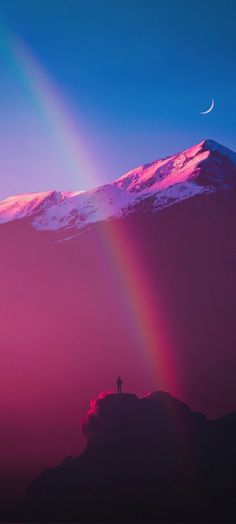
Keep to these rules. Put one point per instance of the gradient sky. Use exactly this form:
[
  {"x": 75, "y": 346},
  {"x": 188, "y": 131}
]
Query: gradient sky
[{"x": 133, "y": 75}]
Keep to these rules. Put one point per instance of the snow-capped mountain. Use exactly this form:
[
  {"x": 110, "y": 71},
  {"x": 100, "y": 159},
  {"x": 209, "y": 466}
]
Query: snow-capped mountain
[{"x": 203, "y": 168}]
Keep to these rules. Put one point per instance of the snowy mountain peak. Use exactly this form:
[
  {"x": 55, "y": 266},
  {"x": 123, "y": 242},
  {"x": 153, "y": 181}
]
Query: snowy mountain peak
[
  {"x": 26, "y": 205},
  {"x": 203, "y": 168},
  {"x": 222, "y": 151},
  {"x": 176, "y": 169}
]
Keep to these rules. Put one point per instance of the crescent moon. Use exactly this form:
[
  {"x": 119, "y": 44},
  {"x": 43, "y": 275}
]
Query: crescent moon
[{"x": 208, "y": 110}]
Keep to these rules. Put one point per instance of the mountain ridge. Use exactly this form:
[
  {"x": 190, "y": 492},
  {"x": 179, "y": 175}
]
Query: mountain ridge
[{"x": 202, "y": 168}]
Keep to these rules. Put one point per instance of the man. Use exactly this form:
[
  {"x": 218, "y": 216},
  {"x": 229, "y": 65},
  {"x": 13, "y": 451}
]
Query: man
[{"x": 119, "y": 385}]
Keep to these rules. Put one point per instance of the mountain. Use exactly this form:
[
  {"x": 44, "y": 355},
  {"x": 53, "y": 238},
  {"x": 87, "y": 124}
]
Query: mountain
[
  {"x": 148, "y": 459},
  {"x": 149, "y": 294},
  {"x": 201, "y": 169}
]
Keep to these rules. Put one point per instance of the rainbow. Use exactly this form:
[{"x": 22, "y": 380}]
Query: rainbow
[
  {"x": 146, "y": 310},
  {"x": 46, "y": 99}
]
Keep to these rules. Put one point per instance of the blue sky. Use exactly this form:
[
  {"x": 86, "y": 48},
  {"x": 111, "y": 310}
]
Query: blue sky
[{"x": 134, "y": 74}]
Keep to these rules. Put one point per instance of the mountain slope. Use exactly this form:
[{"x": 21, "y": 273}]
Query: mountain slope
[
  {"x": 76, "y": 314},
  {"x": 203, "y": 168}
]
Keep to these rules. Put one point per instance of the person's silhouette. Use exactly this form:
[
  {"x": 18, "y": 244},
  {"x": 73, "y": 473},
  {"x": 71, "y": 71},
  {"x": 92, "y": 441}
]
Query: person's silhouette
[{"x": 119, "y": 385}]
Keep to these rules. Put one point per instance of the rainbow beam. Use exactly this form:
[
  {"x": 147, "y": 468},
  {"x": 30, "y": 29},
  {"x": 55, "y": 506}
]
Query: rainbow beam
[
  {"x": 146, "y": 310},
  {"x": 46, "y": 99}
]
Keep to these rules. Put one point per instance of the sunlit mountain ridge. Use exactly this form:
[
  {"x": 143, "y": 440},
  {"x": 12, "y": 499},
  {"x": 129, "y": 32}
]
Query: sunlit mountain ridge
[{"x": 206, "y": 167}]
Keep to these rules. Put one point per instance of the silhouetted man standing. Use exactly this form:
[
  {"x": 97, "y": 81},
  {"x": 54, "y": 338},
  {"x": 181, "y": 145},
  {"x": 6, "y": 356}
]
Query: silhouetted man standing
[{"x": 119, "y": 385}]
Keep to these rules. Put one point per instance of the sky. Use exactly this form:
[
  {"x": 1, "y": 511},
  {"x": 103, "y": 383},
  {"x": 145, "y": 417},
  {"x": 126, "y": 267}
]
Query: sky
[{"x": 92, "y": 88}]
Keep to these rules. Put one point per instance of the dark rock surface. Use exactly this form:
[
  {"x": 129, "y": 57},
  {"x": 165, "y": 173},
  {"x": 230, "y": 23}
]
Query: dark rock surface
[{"x": 146, "y": 459}]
